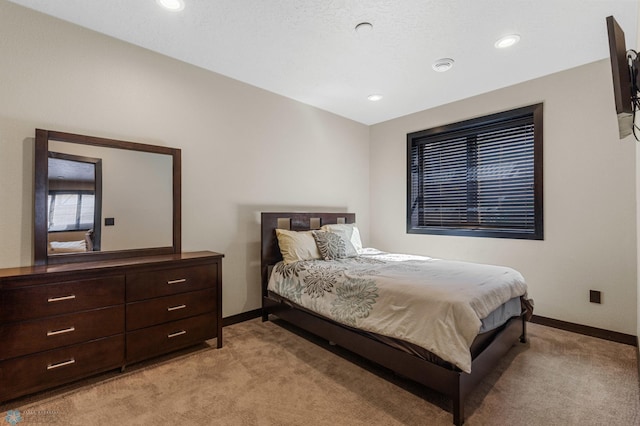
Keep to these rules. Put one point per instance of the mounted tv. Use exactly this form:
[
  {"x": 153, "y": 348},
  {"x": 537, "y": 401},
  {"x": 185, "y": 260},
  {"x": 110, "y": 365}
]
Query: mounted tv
[{"x": 624, "y": 67}]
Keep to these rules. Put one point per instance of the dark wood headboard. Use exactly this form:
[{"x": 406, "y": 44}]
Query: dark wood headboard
[{"x": 270, "y": 252}]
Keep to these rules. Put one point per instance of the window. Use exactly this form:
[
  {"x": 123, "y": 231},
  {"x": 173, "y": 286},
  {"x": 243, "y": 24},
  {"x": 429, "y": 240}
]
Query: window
[
  {"x": 480, "y": 177},
  {"x": 71, "y": 210}
]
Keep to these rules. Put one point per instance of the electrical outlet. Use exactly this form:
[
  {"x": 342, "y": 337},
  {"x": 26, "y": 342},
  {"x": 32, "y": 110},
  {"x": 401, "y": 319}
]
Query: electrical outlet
[{"x": 595, "y": 296}]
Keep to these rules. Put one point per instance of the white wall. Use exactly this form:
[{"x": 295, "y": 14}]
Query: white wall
[
  {"x": 638, "y": 206},
  {"x": 589, "y": 198},
  {"x": 638, "y": 240},
  {"x": 244, "y": 150}
]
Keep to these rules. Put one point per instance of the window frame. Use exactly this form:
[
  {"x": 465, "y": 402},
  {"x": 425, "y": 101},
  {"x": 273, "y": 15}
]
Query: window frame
[{"x": 468, "y": 127}]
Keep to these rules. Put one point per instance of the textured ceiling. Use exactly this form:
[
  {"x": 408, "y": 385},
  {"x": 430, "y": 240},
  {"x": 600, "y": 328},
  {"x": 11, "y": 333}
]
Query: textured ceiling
[{"x": 308, "y": 50}]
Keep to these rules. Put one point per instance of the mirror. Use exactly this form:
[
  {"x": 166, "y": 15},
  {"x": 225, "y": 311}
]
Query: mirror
[
  {"x": 98, "y": 199},
  {"x": 73, "y": 203}
]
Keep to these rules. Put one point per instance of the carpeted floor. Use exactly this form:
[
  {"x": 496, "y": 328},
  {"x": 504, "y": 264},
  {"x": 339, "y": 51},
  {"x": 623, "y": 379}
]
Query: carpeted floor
[{"x": 270, "y": 374}]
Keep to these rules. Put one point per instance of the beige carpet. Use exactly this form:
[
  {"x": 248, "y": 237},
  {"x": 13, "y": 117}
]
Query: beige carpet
[{"x": 267, "y": 374}]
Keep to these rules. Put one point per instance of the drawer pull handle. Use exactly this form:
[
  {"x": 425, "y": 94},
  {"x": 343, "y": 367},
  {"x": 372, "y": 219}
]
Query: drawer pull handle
[
  {"x": 61, "y": 331},
  {"x": 175, "y": 308},
  {"x": 181, "y": 280},
  {"x": 60, "y": 299},
  {"x": 60, "y": 364},
  {"x": 176, "y": 334}
]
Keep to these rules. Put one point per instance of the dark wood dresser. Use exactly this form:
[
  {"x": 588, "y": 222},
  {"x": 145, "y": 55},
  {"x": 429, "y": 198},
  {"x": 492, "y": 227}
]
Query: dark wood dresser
[{"x": 59, "y": 323}]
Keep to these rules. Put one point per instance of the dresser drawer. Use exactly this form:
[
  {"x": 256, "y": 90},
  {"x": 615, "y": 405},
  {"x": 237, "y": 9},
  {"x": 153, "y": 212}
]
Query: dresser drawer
[
  {"x": 23, "y": 303},
  {"x": 170, "y": 308},
  {"x": 26, "y": 337},
  {"x": 163, "y": 282},
  {"x": 152, "y": 341},
  {"x": 28, "y": 374}
]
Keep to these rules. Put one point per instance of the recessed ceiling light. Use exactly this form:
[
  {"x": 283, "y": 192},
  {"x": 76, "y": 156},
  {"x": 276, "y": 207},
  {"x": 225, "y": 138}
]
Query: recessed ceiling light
[
  {"x": 364, "y": 28},
  {"x": 374, "y": 97},
  {"x": 172, "y": 5},
  {"x": 507, "y": 41},
  {"x": 442, "y": 65}
]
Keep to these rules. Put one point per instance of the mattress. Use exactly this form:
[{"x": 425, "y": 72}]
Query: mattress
[{"x": 437, "y": 305}]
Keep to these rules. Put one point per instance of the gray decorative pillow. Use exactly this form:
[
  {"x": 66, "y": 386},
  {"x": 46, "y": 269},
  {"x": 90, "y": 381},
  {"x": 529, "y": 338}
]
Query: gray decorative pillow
[{"x": 331, "y": 246}]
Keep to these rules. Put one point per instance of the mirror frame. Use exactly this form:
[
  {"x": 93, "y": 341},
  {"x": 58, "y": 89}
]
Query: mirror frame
[{"x": 41, "y": 191}]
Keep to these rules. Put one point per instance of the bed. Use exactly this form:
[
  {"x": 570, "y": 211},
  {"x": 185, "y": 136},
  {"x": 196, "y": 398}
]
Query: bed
[
  {"x": 370, "y": 333},
  {"x": 69, "y": 241}
]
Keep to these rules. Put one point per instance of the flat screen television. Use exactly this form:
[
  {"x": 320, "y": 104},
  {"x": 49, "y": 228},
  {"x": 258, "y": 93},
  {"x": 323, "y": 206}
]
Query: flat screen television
[{"x": 624, "y": 71}]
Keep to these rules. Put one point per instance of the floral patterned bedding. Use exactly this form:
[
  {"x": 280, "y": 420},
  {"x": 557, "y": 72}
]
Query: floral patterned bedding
[{"x": 433, "y": 303}]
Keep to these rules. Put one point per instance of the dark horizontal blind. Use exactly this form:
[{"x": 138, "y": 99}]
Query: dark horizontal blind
[
  {"x": 505, "y": 178},
  {"x": 442, "y": 185},
  {"x": 479, "y": 178}
]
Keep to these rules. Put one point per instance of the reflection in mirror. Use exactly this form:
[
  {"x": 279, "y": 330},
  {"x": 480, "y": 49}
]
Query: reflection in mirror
[
  {"x": 73, "y": 203},
  {"x": 98, "y": 198},
  {"x": 137, "y": 196}
]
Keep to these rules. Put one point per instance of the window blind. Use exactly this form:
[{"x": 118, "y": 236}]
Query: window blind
[
  {"x": 476, "y": 178},
  {"x": 70, "y": 210}
]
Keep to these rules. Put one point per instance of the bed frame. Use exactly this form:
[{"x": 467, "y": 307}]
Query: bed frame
[{"x": 450, "y": 382}]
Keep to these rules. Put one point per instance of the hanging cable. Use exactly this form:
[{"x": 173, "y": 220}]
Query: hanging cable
[{"x": 632, "y": 61}]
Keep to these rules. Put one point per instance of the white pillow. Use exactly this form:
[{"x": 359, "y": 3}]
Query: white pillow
[
  {"x": 349, "y": 232},
  {"x": 296, "y": 246},
  {"x": 68, "y": 246}
]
